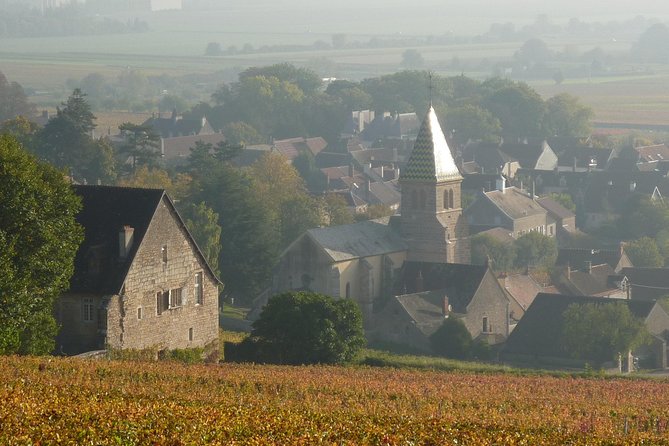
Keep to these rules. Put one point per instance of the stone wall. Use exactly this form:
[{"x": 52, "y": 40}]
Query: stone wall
[
  {"x": 489, "y": 302},
  {"x": 133, "y": 319}
]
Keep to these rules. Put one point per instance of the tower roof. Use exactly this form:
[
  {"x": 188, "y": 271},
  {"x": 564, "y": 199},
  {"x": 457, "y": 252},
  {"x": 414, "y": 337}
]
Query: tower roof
[{"x": 431, "y": 158}]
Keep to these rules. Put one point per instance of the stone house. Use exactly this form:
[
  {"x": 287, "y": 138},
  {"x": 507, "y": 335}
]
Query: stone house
[
  {"x": 470, "y": 293},
  {"x": 538, "y": 336},
  {"x": 512, "y": 209},
  {"x": 140, "y": 281}
]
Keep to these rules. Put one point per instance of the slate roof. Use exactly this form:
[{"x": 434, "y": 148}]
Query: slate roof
[
  {"x": 577, "y": 257},
  {"x": 652, "y": 278},
  {"x": 613, "y": 188},
  {"x": 585, "y": 157},
  {"x": 527, "y": 153},
  {"x": 500, "y": 234},
  {"x": 515, "y": 203},
  {"x": 554, "y": 208},
  {"x": 539, "y": 332},
  {"x": 425, "y": 309},
  {"x": 364, "y": 239},
  {"x": 596, "y": 282},
  {"x": 177, "y": 126},
  {"x": 431, "y": 158},
  {"x": 460, "y": 282},
  {"x": 105, "y": 210}
]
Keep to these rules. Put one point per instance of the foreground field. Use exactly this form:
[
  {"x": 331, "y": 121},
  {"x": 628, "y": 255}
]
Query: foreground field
[{"x": 69, "y": 401}]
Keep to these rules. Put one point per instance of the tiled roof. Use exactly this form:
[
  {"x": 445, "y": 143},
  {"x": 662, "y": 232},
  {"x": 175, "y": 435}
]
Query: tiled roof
[
  {"x": 523, "y": 288},
  {"x": 179, "y": 147},
  {"x": 431, "y": 158},
  {"x": 654, "y": 153},
  {"x": 364, "y": 239}
]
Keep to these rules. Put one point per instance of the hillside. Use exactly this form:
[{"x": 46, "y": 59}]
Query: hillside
[{"x": 70, "y": 401}]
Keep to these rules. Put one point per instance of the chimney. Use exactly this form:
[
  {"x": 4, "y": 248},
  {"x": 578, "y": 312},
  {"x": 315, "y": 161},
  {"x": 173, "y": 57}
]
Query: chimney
[
  {"x": 500, "y": 184},
  {"x": 588, "y": 266},
  {"x": 445, "y": 307},
  {"x": 125, "y": 239},
  {"x": 419, "y": 282}
]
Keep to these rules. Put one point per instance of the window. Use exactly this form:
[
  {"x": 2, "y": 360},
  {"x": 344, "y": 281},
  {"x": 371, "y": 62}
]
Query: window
[
  {"x": 190, "y": 334},
  {"x": 348, "y": 290},
  {"x": 486, "y": 325},
  {"x": 139, "y": 313},
  {"x": 451, "y": 203},
  {"x": 163, "y": 254},
  {"x": 87, "y": 309},
  {"x": 199, "y": 292},
  {"x": 175, "y": 298},
  {"x": 445, "y": 199},
  {"x": 162, "y": 301}
]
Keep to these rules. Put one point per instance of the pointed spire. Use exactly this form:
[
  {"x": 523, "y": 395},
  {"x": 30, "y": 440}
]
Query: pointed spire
[{"x": 431, "y": 158}]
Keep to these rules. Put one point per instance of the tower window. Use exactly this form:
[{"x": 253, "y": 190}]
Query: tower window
[{"x": 451, "y": 204}]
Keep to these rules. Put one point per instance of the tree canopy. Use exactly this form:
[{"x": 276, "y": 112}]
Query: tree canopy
[
  {"x": 13, "y": 100},
  {"x": 40, "y": 238},
  {"x": 308, "y": 328},
  {"x": 599, "y": 332}
]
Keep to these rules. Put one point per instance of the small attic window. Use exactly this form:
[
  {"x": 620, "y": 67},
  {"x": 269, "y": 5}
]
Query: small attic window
[{"x": 163, "y": 254}]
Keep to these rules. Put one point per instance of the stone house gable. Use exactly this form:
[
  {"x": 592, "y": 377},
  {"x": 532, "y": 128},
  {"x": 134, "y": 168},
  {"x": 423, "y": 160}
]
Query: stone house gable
[{"x": 140, "y": 280}]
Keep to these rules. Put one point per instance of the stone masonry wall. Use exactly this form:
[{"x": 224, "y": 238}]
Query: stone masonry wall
[{"x": 188, "y": 326}]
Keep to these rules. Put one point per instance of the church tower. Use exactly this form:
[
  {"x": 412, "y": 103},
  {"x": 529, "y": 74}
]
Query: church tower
[{"x": 431, "y": 212}]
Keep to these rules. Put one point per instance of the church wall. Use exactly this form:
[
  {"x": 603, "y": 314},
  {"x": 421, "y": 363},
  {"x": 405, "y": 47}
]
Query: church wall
[{"x": 489, "y": 302}]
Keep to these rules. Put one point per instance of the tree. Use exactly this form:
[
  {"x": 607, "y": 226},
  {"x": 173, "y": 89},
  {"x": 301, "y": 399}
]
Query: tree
[
  {"x": 306, "y": 80},
  {"x": 534, "y": 249},
  {"x": 242, "y": 133},
  {"x": 141, "y": 144},
  {"x": 308, "y": 328},
  {"x": 40, "y": 238},
  {"x": 534, "y": 52},
  {"x": 501, "y": 254},
  {"x": 644, "y": 253},
  {"x": 13, "y": 100},
  {"x": 600, "y": 331},
  {"x": 652, "y": 45},
  {"x": 471, "y": 122},
  {"x": 335, "y": 211},
  {"x": 518, "y": 107},
  {"x": 452, "y": 339},
  {"x": 249, "y": 242},
  {"x": 412, "y": 58},
  {"x": 66, "y": 142},
  {"x": 213, "y": 49},
  {"x": 202, "y": 222},
  {"x": 566, "y": 116}
]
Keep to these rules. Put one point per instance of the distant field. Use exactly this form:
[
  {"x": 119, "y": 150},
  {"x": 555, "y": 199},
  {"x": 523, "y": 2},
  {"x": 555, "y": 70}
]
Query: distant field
[
  {"x": 635, "y": 99},
  {"x": 71, "y": 401}
]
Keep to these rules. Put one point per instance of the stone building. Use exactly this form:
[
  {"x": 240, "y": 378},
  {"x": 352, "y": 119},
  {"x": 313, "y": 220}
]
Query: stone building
[{"x": 140, "y": 280}]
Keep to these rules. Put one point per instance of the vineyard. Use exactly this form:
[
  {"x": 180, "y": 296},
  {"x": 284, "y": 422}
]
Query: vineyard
[{"x": 75, "y": 402}]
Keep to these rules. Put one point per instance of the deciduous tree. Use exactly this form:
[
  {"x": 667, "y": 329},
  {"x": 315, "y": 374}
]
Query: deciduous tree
[{"x": 40, "y": 238}]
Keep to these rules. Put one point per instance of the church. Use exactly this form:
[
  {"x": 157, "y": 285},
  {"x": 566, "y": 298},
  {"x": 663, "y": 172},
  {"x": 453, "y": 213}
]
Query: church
[{"x": 364, "y": 261}]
